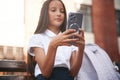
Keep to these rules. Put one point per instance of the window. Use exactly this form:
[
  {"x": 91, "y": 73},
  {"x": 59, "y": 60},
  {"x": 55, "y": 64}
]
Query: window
[
  {"x": 87, "y": 24},
  {"x": 118, "y": 21}
]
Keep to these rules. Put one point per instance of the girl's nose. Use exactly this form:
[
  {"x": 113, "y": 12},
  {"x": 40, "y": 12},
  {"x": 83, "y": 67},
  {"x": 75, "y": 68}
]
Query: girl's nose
[{"x": 58, "y": 13}]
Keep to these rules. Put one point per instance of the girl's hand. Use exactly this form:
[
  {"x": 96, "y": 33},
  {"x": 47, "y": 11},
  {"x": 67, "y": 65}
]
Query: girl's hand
[
  {"x": 80, "y": 42},
  {"x": 64, "y": 39}
]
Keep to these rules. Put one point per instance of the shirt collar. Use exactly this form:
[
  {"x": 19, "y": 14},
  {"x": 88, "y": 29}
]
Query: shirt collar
[{"x": 50, "y": 33}]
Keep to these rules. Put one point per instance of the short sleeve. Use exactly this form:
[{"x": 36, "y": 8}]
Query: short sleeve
[
  {"x": 35, "y": 41},
  {"x": 74, "y": 48}
]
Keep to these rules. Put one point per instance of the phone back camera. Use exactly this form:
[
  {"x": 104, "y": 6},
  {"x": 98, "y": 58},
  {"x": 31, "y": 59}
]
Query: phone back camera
[{"x": 73, "y": 18}]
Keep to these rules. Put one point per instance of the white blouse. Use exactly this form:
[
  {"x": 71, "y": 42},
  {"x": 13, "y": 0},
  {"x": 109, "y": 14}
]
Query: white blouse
[{"x": 42, "y": 40}]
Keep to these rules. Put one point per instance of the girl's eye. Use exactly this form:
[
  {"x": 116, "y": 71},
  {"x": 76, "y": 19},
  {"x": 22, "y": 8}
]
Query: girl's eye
[
  {"x": 62, "y": 11},
  {"x": 53, "y": 10}
]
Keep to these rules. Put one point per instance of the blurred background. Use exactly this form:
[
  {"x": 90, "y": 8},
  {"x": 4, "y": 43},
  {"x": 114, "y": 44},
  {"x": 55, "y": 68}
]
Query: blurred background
[{"x": 19, "y": 18}]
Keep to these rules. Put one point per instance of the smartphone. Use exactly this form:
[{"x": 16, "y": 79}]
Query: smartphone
[{"x": 74, "y": 21}]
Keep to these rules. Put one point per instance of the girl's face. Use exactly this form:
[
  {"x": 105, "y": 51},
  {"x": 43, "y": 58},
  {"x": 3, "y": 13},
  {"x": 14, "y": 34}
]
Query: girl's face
[{"x": 56, "y": 14}]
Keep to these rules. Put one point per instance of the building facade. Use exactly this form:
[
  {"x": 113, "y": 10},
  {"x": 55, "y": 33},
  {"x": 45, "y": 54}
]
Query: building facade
[{"x": 103, "y": 21}]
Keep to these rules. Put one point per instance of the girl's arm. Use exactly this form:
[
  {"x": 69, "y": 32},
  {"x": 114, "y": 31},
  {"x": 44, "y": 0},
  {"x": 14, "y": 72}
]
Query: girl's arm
[
  {"x": 45, "y": 62},
  {"x": 76, "y": 57}
]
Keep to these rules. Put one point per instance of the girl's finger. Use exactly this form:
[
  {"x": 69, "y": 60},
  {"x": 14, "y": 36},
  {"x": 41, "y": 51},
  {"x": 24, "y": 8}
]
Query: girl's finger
[
  {"x": 81, "y": 32},
  {"x": 69, "y": 31}
]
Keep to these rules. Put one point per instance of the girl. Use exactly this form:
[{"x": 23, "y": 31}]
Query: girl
[{"x": 55, "y": 57}]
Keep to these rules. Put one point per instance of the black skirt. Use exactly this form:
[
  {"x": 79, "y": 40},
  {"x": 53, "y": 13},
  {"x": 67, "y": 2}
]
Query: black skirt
[{"x": 58, "y": 73}]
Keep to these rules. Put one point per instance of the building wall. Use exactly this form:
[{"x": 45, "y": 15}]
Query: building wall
[
  {"x": 89, "y": 3},
  {"x": 117, "y": 4}
]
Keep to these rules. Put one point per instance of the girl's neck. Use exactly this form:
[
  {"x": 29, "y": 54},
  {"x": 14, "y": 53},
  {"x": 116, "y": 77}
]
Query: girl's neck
[{"x": 55, "y": 30}]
